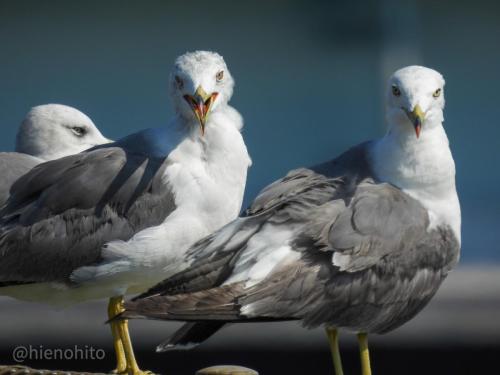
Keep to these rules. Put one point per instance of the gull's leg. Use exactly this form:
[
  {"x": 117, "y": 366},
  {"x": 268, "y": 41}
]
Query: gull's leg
[
  {"x": 122, "y": 325},
  {"x": 333, "y": 339},
  {"x": 121, "y": 362},
  {"x": 364, "y": 353}
]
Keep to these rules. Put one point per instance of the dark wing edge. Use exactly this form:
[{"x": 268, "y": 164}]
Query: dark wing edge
[{"x": 190, "y": 335}]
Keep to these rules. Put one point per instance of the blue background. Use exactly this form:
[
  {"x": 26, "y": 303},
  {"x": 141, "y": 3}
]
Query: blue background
[
  {"x": 310, "y": 76},
  {"x": 310, "y": 80}
]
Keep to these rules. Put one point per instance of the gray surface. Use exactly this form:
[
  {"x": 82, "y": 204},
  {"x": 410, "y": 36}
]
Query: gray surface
[{"x": 464, "y": 311}]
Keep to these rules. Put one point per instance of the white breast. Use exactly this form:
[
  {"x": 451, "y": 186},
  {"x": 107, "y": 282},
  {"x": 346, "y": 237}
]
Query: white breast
[
  {"x": 424, "y": 169},
  {"x": 207, "y": 176}
]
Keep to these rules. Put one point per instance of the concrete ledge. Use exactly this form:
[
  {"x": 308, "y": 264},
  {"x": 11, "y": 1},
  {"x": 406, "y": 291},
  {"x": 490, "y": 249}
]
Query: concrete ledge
[{"x": 465, "y": 310}]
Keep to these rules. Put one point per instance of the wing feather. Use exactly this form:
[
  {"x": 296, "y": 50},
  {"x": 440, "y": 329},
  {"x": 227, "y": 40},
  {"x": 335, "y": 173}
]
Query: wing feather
[{"x": 62, "y": 212}]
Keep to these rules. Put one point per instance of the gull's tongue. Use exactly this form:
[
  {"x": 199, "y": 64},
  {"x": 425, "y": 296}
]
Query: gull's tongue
[{"x": 201, "y": 109}]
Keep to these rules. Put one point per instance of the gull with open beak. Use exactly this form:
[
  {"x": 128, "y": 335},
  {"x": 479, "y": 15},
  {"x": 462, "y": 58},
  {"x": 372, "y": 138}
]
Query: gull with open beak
[
  {"x": 147, "y": 198},
  {"x": 201, "y": 104},
  {"x": 198, "y": 96}
]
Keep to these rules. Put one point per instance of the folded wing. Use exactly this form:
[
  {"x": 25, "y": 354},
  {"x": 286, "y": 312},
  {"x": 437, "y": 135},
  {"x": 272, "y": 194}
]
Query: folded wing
[{"x": 62, "y": 212}]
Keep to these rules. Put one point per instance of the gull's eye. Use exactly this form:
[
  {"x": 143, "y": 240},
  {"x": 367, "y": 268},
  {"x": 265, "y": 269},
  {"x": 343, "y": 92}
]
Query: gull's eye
[
  {"x": 79, "y": 131},
  {"x": 219, "y": 76},
  {"x": 396, "y": 91},
  {"x": 436, "y": 93},
  {"x": 179, "y": 81}
]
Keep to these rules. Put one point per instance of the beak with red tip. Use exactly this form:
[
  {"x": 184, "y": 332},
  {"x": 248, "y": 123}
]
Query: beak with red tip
[
  {"x": 201, "y": 103},
  {"x": 416, "y": 117}
]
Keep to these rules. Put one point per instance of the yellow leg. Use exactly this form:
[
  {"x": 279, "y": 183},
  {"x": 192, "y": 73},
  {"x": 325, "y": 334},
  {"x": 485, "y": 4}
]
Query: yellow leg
[
  {"x": 114, "y": 307},
  {"x": 333, "y": 339},
  {"x": 122, "y": 327},
  {"x": 364, "y": 353}
]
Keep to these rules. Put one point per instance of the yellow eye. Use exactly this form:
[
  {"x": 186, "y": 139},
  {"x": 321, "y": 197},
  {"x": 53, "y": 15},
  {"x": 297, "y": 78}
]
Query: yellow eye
[
  {"x": 436, "y": 93},
  {"x": 396, "y": 91},
  {"x": 219, "y": 76}
]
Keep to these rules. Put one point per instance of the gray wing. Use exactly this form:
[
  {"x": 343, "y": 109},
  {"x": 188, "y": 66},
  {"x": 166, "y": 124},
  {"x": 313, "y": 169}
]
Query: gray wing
[
  {"x": 351, "y": 167},
  {"x": 366, "y": 260},
  {"x": 12, "y": 166},
  {"x": 288, "y": 199},
  {"x": 369, "y": 262},
  {"x": 62, "y": 212}
]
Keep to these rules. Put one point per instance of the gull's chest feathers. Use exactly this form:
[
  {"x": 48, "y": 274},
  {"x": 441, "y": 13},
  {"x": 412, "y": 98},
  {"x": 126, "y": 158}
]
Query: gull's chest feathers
[
  {"x": 424, "y": 169},
  {"x": 208, "y": 174}
]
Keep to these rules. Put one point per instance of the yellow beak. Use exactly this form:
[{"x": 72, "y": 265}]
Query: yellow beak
[
  {"x": 201, "y": 104},
  {"x": 416, "y": 117}
]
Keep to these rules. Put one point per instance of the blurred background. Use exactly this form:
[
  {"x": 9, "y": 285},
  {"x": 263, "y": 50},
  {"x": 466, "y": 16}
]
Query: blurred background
[{"x": 310, "y": 80}]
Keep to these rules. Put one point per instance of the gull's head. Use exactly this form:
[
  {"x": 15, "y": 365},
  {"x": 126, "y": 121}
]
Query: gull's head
[
  {"x": 200, "y": 83},
  {"x": 415, "y": 99},
  {"x": 53, "y": 131}
]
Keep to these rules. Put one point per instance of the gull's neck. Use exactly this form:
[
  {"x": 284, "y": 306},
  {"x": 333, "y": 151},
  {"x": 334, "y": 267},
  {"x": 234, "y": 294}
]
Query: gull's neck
[
  {"x": 423, "y": 168},
  {"x": 217, "y": 162}
]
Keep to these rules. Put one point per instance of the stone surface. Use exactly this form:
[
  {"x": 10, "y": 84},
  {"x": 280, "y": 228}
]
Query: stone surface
[
  {"x": 226, "y": 370},
  {"x": 464, "y": 311}
]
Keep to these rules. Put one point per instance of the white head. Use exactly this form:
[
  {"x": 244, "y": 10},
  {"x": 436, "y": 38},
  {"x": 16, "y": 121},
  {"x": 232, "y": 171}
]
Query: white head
[
  {"x": 53, "y": 131},
  {"x": 415, "y": 100},
  {"x": 200, "y": 83}
]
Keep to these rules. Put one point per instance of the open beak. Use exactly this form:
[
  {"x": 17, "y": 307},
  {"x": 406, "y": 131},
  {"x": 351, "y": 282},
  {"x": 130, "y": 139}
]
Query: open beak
[
  {"x": 201, "y": 104},
  {"x": 416, "y": 117}
]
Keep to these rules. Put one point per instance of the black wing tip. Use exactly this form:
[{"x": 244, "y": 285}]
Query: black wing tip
[
  {"x": 168, "y": 347},
  {"x": 190, "y": 335}
]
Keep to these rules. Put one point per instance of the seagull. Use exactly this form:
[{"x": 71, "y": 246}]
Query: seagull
[
  {"x": 361, "y": 242},
  {"x": 48, "y": 132},
  {"x": 52, "y": 131},
  {"x": 113, "y": 219}
]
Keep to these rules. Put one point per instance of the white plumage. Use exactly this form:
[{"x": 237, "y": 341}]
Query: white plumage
[
  {"x": 48, "y": 132},
  {"x": 425, "y": 168},
  {"x": 207, "y": 177},
  {"x": 52, "y": 131}
]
